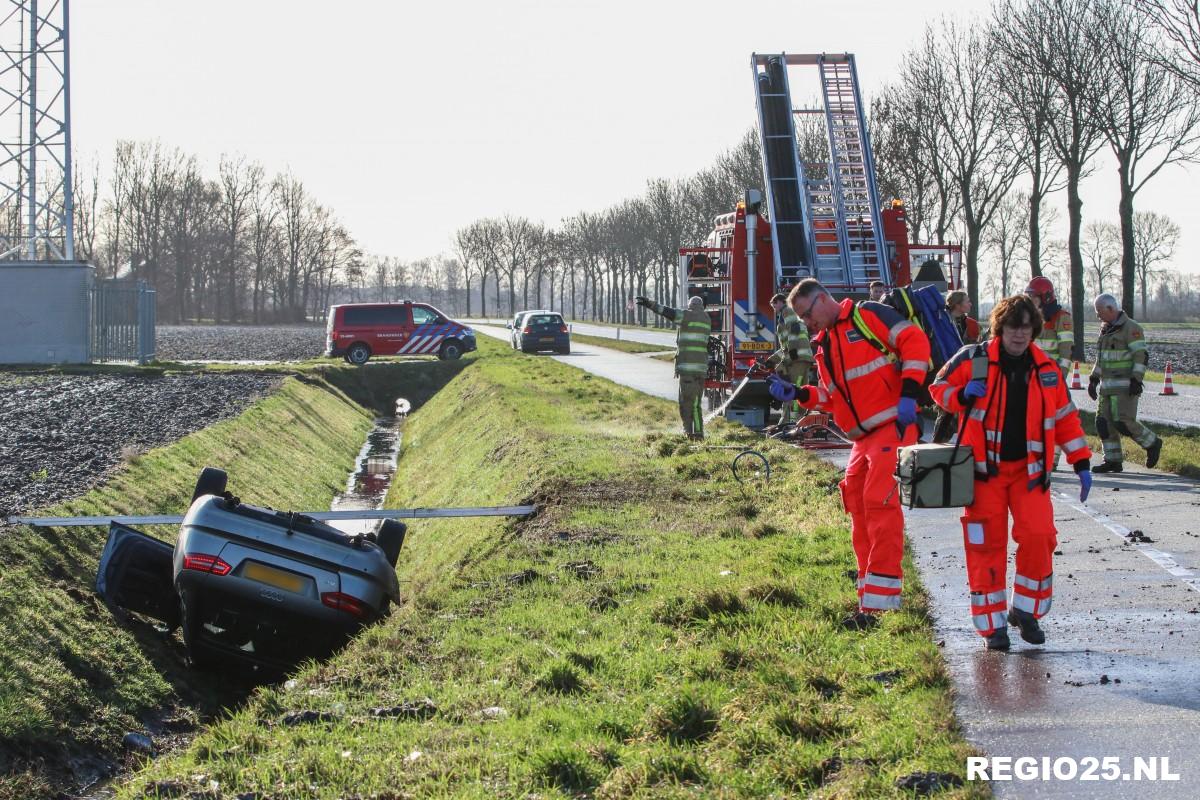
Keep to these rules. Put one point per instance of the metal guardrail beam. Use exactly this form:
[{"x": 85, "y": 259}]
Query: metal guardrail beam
[{"x": 324, "y": 516}]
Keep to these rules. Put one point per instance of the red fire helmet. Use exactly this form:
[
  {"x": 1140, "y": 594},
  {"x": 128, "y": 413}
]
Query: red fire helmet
[{"x": 1042, "y": 288}]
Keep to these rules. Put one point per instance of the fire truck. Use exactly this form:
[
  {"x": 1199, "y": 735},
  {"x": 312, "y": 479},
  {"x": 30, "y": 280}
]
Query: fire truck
[{"x": 820, "y": 220}]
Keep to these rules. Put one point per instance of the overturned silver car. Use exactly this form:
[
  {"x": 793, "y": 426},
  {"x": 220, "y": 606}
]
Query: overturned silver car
[{"x": 253, "y": 586}]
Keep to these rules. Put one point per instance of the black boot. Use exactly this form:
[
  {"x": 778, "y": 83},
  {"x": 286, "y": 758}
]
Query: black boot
[
  {"x": 1111, "y": 466},
  {"x": 1027, "y": 625},
  {"x": 1152, "y": 453},
  {"x": 998, "y": 640}
]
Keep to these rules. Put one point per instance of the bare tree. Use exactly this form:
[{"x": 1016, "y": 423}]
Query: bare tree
[
  {"x": 1006, "y": 236},
  {"x": 147, "y": 177},
  {"x": 469, "y": 252},
  {"x": 239, "y": 183},
  {"x": 672, "y": 224},
  {"x": 87, "y": 220},
  {"x": 1053, "y": 38},
  {"x": 958, "y": 71},
  {"x": 1030, "y": 95},
  {"x": 812, "y": 139},
  {"x": 296, "y": 212},
  {"x": 899, "y": 170},
  {"x": 911, "y": 159},
  {"x": 1179, "y": 20},
  {"x": 264, "y": 232},
  {"x": 1101, "y": 244},
  {"x": 1150, "y": 117},
  {"x": 1155, "y": 239}
]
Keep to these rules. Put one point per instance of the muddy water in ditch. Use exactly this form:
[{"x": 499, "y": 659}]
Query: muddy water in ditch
[
  {"x": 369, "y": 483},
  {"x": 365, "y": 490}
]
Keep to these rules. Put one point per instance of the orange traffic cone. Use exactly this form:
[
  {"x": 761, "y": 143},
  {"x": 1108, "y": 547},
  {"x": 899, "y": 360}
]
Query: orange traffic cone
[
  {"x": 1075, "y": 384},
  {"x": 1168, "y": 386}
]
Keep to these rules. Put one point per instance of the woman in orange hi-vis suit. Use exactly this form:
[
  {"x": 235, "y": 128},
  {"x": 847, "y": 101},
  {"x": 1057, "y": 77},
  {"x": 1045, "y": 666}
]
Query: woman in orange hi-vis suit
[{"x": 1016, "y": 416}]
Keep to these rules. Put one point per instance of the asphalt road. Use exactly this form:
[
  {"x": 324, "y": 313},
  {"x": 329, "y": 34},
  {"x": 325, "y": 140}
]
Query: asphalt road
[
  {"x": 1181, "y": 409},
  {"x": 1117, "y": 676},
  {"x": 645, "y": 336},
  {"x": 636, "y": 371}
]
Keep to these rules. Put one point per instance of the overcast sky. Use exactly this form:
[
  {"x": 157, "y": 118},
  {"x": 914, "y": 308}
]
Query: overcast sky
[{"x": 411, "y": 119}]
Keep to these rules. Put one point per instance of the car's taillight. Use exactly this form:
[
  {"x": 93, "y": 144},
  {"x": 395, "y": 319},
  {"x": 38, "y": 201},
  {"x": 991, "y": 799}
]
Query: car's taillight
[
  {"x": 344, "y": 602},
  {"x": 562, "y": 328},
  {"x": 527, "y": 329},
  {"x": 202, "y": 562}
]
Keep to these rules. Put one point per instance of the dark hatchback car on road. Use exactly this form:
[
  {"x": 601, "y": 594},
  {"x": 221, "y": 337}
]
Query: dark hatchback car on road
[{"x": 544, "y": 330}]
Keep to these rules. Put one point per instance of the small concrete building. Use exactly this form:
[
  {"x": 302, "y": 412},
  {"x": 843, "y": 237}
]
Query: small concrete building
[{"x": 45, "y": 312}]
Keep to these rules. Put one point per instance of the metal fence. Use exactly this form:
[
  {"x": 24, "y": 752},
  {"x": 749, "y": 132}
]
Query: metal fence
[{"x": 122, "y": 321}]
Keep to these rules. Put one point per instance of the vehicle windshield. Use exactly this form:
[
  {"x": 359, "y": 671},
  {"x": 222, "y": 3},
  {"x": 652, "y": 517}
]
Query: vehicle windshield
[
  {"x": 424, "y": 316},
  {"x": 546, "y": 319}
]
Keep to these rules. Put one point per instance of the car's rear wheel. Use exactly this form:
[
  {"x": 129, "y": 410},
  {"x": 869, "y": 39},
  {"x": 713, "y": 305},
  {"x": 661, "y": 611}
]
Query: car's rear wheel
[
  {"x": 452, "y": 350},
  {"x": 390, "y": 538},
  {"x": 566, "y": 351},
  {"x": 358, "y": 353},
  {"x": 211, "y": 481}
]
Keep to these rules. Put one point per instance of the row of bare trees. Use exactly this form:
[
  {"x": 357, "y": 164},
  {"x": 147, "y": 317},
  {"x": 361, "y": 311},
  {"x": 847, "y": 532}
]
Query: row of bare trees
[
  {"x": 1007, "y": 111},
  {"x": 237, "y": 246},
  {"x": 593, "y": 263},
  {"x": 987, "y": 123}
]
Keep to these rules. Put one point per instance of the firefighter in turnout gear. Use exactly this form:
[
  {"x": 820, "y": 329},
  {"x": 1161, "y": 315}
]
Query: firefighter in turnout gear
[
  {"x": 795, "y": 353},
  {"x": 1056, "y": 339},
  {"x": 1016, "y": 416},
  {"x": 1116, "y": 384},
  {"x": 691, "y": 358},
  {"x": 870, "y": 370}
]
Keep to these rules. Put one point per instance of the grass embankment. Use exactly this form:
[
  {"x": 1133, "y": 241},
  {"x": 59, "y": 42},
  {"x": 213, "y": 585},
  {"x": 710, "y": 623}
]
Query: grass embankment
[
  {"x": 624, "y": 345},
  {"x": 654, "y": 631},
  {"x": 73, "y": 679}
]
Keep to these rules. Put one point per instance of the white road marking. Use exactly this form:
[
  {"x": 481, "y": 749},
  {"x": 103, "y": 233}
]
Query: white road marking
[{"x": 1164, "y": 560}]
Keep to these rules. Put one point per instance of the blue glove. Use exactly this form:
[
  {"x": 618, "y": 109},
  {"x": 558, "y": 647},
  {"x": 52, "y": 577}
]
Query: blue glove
[
  {"x": 975, "y": 389},
  {"x": 906, "y": 413},
  {"x": 780, "y": 389},
  {"x": 1085, "y": 485}
]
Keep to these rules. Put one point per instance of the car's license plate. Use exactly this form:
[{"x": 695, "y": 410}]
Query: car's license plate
[
  {"x": 274, "y": 577},
  {"x": 755, "y": 346},
  {"x": 547, "y": 339}
]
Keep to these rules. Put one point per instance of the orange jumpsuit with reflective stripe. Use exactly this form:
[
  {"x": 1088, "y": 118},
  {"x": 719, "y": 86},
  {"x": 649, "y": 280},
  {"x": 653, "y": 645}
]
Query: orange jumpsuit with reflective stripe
[
  {"x": 1018, "y": 487},
  {"x": 861, "y": 386}
]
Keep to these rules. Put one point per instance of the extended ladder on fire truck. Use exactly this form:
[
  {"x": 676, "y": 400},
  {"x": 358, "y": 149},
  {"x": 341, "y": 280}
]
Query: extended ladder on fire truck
[{"x": 826, "y": 226}]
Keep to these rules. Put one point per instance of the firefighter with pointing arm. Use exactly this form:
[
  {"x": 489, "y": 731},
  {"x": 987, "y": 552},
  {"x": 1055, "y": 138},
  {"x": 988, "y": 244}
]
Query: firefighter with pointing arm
[
  {"x": 691, "y": 357},
  {"x": 870, "y": 369},
  {"x": 795, "y": 354}
]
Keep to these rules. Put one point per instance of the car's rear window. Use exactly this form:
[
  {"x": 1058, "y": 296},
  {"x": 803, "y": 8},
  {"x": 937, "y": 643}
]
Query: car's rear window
[
  {"x": 546, "y": 319},
  {"x": 373, "y": 315}
]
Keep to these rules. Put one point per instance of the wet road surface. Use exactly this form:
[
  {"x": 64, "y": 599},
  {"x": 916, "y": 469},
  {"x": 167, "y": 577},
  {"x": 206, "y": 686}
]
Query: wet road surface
[
  {"x": 1181, "y": 410},
  {"x": 1118, "y": 674}
]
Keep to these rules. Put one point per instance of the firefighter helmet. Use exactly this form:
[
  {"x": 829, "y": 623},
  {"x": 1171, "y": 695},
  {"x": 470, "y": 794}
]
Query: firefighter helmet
[{"x": 1042, "y": 288}]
